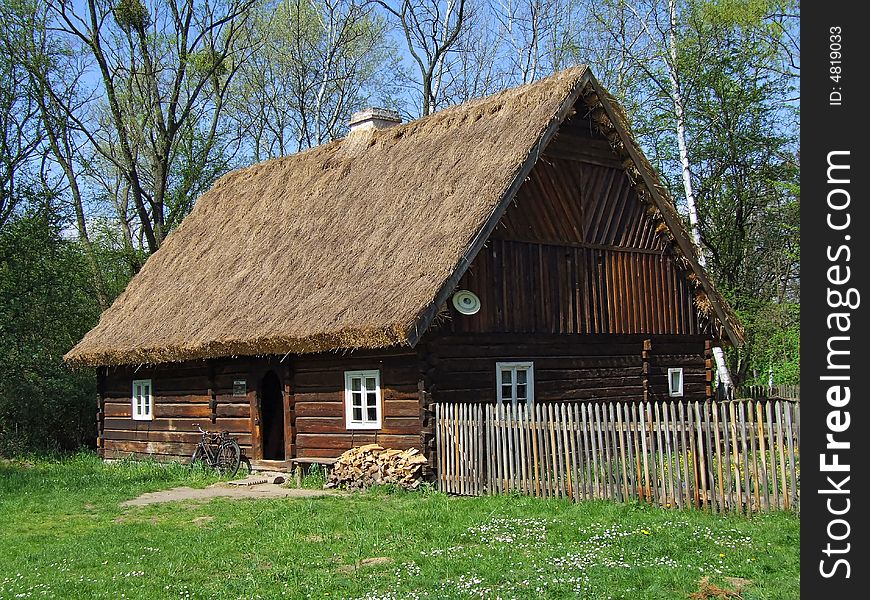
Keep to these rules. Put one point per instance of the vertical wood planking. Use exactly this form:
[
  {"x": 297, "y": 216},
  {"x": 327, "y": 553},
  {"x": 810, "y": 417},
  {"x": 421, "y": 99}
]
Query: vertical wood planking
[
  {"x": 637, "y": 435},
  {"x": 747, "y": 491},
  {"x": 753, "y": 449},
  {"x": 568, "y": 435},
  {"x": 771, "y": 445},
  {"x": 621, "y": 444},
  {"x": 660, "y": 456},
  {"x": 735, "y": 454},
  {"x": 593, "y": 436},
  {"x": 587, "y": 453},
  {"x": 642, "y": 421},
  {"x": 695, "y": 469},
  {"x": 715, "y": 467},
  {"x": 576, "y": 464},
  {"x": 511, "y": 455},
  {"x": 673, "y": 495},
  {"x": 791, "y": 454},
  {"x": 763, "y": 482},
  {"x": 685, "y": 456},
  {"x": 780, "y": 430},
  {"x": 490, "y": 463},
  {"x": 703, "y": 457},
  {"x": 439, "y": 448},
  {"x": 723, "y": 456},
  {"x": 728, "y": 482}
]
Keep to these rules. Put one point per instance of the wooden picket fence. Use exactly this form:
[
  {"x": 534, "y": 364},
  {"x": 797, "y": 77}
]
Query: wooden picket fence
[
  {"x": 790, "y": 392},
  {"x": 735, "y": 456}
]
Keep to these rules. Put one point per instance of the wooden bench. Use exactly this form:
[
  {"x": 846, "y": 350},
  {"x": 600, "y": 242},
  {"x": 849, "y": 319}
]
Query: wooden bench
[{"x": 305, "y": 462}]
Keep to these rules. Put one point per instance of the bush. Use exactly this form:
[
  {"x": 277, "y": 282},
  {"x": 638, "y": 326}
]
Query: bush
[{"x": 45, "y": 308}]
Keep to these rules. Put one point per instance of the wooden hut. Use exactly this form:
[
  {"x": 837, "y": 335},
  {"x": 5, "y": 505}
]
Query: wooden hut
[{"x": 308, "y": 304}]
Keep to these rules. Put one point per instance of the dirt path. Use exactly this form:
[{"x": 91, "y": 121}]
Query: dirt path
[{"x": 225, "y": 490}]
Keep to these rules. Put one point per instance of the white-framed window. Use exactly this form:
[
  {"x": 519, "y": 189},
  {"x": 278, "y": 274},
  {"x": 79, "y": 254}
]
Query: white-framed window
[
  {"x": 515, "y": 382},
  {"x": 362, "y": 399},
  {"x": 143, "y": 403},
  {"x": 675, "y": 381}
]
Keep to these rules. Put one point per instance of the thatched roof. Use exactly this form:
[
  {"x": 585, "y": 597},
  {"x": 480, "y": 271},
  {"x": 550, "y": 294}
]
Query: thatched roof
[{"x": 353, "y": 244}]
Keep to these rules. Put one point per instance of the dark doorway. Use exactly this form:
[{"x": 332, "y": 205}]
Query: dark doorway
[{"x": 272, "y": 417}]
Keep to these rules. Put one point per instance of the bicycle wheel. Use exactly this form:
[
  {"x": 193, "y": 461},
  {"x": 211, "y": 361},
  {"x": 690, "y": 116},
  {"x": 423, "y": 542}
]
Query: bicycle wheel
[
  {"x": 197, "y": 458},
  {"x": 229, "y": 457}
]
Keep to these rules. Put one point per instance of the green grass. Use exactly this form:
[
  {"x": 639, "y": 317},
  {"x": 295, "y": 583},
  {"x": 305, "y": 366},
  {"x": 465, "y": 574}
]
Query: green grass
[{"x": 65, "y": 536}]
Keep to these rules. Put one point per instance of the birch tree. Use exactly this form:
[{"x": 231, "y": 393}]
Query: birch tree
[{"x": 684, "y": 52}]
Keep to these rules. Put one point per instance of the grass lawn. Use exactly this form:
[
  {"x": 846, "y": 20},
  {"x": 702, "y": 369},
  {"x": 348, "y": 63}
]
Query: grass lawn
[{"x": 64, "y": 535}]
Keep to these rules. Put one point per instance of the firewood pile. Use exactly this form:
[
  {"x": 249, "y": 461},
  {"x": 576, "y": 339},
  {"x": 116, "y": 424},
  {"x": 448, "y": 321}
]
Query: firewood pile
[{"x": 369, "y": 465}]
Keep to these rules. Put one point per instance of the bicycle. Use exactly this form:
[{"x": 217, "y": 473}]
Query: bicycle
[{"x": 219, "y": 451}]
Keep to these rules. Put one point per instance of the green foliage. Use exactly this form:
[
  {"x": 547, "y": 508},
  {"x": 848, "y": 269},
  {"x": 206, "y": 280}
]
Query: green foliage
[
  {"x": 314, "y": 477},
  {"x": 132, "y": 15},
  {"x": 737, "y": 88},
  {"x": 742, "y": 131},
  {"x": 45, "y": 308},
  {"x": 773, "y": 343}
]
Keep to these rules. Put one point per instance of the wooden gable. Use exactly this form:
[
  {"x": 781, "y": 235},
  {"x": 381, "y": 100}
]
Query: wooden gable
[{"x": 577, "y": 252}]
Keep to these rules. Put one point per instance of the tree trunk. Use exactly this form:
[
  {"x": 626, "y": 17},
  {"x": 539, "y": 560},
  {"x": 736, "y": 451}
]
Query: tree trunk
[{"x": 691, "y": 206}]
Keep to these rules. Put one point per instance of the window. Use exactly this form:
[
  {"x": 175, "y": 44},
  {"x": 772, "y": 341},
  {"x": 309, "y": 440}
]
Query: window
[
  {"x": 675, "y": 382},
  {"x": 362, "y": 399},
  {"x": 515, "y": 382},
  {"x": 143, "y": 404}
]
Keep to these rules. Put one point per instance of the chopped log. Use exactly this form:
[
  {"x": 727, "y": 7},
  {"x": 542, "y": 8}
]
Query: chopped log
[{"x": 369, "y": 465}]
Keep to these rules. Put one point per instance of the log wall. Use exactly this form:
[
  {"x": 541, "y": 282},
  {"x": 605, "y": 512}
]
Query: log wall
[
  {"x": 595, "y": 368},
  {"x": 320, "y": 416},
  {"x": 201, "y": 393},
  {"x": 182, "y": 395}
]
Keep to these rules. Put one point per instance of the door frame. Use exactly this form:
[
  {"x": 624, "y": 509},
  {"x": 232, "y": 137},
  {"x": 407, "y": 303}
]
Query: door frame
[{"x": 258, "y": 370}]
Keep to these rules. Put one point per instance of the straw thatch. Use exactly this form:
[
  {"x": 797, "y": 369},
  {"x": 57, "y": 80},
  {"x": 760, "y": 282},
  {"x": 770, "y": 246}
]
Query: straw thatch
[
  {"x": 352, "y": 244},
  {"x": 341, "y": 246}
]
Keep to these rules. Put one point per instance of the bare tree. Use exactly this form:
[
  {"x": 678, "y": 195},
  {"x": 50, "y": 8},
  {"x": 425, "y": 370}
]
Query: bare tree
[
  {"x": 315, "y": 63},
  {"x": 431, "y": 29},
  {"x": 19, "y": 118},
  {"x": 162, "y": 67},
  {"x": 54, "y": 75}
]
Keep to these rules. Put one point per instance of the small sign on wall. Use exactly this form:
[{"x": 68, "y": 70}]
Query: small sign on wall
[{"x": 240, "y": 387}]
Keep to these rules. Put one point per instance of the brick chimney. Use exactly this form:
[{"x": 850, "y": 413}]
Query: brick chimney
[{"x": 370, "y": 119}]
